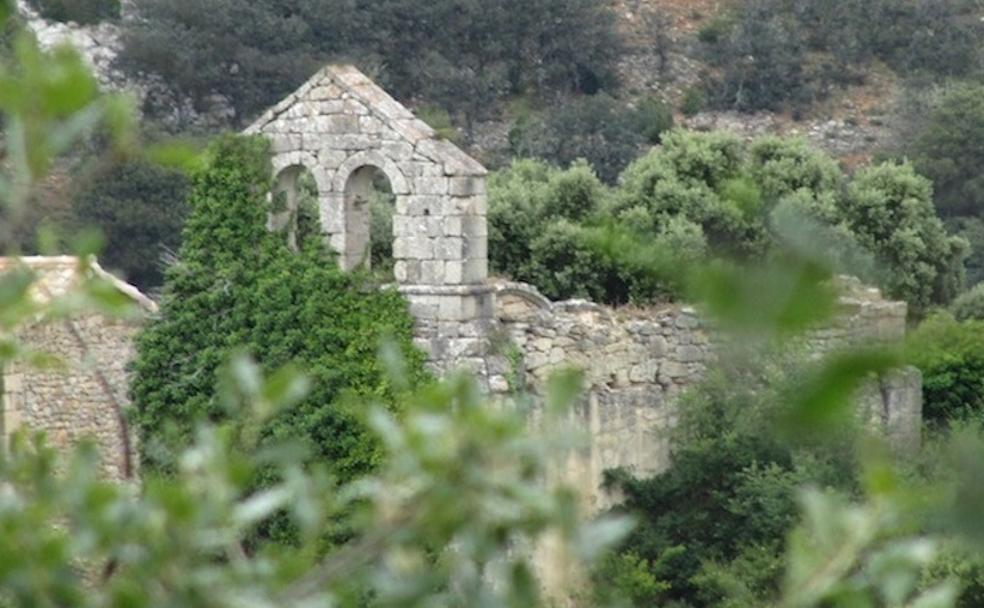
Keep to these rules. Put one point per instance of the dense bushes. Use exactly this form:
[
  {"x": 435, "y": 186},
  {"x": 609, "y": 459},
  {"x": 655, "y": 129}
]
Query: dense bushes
[
  {"x": 139, "y": 207},
  {"x": 460, "y": 55},
  {"x": 890, "y": 210},
  {"x": 596, "y": 128},
  {"x": 79, "y": 11},
  {"x": 763, "y": 47},
  {"x": 711, "y": 193},
  {"x": 950, "y": 355},
  {"x": 239, "y": 288},
  {"x": 950, "y": 150},
  {"x": 713, "y": 527},
  {"x": 969, "y": 306}
]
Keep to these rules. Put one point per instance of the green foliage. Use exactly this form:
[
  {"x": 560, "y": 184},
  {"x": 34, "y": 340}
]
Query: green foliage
[
  {"x": 711, "y": 194},
  {"x": 682, "y": 178},
  {"x": 972, "y": 230},
  {"x": 381, "y": 209},
  {"x": 237, "y": 287},
  {"x": 969, "y": 306},
  {"x": 139, "y": 208},
  {"x": 595, "y": 128},
  {"x": 83, "y": 12},
  {"x": 890, "y": 210},
  {"x": 693, "y": 102},
  {"x": 776, "y": 54},
  {"x": 950, "y": 150},
  {"x": 459, "y": 56},
  {"x": 435, "y": 528},
  {"x": 713, "y": 526},
  {"x": 950, "y": 355},
  {"x": 762, "y": 61},
  {"x": 654, "y": 117}
]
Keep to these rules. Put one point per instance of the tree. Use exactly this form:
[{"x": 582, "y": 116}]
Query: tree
[
  {"x": 763, "y": 61},
  {"x": 889, "y": 208},
  {"x": 237, "y": 287},
  {"x": 950, "y": 151},
  {"x": 139, "y": 207},
  {"x": 462, "y": 55},
  {"x": 595, "y": 128}
]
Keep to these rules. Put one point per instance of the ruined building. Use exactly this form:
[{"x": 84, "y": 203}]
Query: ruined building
[{"x": 346, "y": 132}]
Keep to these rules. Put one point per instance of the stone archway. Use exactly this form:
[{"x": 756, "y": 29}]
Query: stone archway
[{"x": 340, "y": 123}]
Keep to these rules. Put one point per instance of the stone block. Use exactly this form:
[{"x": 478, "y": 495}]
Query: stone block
[
  {"x": 476, "y": 205},
  {"x": 672, "y": 370},
  {"x": 432, "y": 272},
  {"x": 420, "y": 248},
  {"x": 476, "y": 248},
  {"x": 476, "y": 270},
  {"x": 689, "y": 354},
  {"x": 423, "y": 205},
  {"x": 402, "y": 226},
  {"x": 454, "y": 272},
  {"x": 371, "y": 124},
  {"x": 467, "y": 186},
  {"x": 450, "y": 248},
  {"x": 454, "y": 225},
  {"x": 431, "y": 185},
  {"x": 280, "y": 144},
  {"x": 400, "y": 271},
  {"x": 400, "y": 151},
  {"x": 476, "y": 226}
]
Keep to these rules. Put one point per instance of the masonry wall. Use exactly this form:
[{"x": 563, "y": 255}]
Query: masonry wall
[
  {"x": 637, "y": 362},
  {"x": 80, "y": 398}
]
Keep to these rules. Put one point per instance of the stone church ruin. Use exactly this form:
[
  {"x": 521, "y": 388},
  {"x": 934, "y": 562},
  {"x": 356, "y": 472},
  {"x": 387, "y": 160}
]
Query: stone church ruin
[{"x": 345, "y": 132}]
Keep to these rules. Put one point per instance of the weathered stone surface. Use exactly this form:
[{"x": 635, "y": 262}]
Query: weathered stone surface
[
  {"x": 85, "y": 399},
  {"x": 636, "y": 364}
]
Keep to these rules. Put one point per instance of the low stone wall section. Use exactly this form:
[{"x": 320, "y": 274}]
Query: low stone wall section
[{"x": 636, "y": 362}]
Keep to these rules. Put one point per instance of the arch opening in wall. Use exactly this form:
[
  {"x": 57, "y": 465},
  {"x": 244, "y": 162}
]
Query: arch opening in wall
[
  {"x": 294, "y": 206},
  {"x": 369, "y": 208}
]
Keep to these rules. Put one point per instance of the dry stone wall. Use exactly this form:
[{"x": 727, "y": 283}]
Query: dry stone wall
[
  {"x": 84, "y": 395},
  {"x": 637, "y": 362}
]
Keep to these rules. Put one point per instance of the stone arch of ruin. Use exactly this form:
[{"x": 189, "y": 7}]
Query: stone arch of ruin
[{"x": 341, "y": 127}]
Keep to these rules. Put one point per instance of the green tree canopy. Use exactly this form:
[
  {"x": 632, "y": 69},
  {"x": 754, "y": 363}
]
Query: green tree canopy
[{"x": 237, "y": 287}]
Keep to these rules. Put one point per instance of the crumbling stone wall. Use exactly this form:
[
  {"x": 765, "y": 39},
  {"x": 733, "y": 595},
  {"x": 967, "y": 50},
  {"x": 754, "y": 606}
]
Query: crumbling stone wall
[
  {"x": 637, "y": 361},
  {"x": 83, "y": 396},
  {"x": 340, "y": 125}
]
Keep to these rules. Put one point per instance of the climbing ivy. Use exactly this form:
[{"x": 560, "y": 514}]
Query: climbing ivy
[{"x": 239, "y": 288}]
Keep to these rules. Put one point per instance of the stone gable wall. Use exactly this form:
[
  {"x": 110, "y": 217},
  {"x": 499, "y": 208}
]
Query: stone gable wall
[{"x": 81, "y": 398}]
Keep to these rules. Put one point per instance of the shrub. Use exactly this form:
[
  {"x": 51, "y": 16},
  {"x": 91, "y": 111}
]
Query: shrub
[
  {"x": 517, "y": 196},
  {"x": 950, "y": 355},
  {"x": 238, "y": 287},
  {"x": 969, "y": 306},
  {"x": 681, "y": 178},
  {"x": 950, "y": 150},
  {"x": 717, "y": 520},
  {"x": 596, "y": 128},
  {"x": 782, "y": 166},
  {"x": 653, "y": 117},
  {"x": 971, "y": 229},
  {"x": 693, "y": 102},
  {"x": 890, "y": 211},
  {"x": 566, "y": 264},
  {"x": 460, "y": 56},
  {"x": 762, "y": 61},
  {"x": 83, "y": 12},
  {"x": 140, "y": 209}
]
